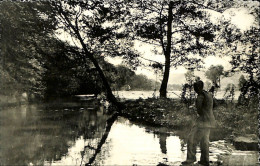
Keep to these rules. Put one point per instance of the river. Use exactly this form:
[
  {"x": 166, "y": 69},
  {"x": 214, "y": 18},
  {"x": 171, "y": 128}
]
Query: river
[{"x": 77, "y": 135}]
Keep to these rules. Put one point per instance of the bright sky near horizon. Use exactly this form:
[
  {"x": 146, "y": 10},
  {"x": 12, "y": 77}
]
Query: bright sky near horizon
[{"x": 240, "y": 17}]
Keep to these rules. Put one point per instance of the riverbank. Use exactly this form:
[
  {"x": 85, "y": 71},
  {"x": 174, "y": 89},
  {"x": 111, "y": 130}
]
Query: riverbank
[
  {"x": 233, "y": 122},
  {"x": 159, "y": 112},
  {"x": 236, "y": 120}
]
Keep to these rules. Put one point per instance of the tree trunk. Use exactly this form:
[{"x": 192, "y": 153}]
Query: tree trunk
[
  {"x": 110, "y": 95},
  {"x": 167, "y": 54},
  {"x": 163, "y": 89},
  {"x": 90, "y": 55}
]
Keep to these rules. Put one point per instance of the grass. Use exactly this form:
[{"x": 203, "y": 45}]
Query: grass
[{"x": 238, "y": 120}]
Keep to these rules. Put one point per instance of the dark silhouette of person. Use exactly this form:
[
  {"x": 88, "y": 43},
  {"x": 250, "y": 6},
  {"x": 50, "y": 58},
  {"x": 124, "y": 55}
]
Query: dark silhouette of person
[{"x": 201, "y": 130}]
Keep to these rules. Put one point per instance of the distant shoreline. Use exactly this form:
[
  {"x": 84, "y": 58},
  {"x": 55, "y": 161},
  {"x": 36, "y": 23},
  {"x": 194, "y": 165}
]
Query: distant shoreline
[{"x": 175, "y": 94}]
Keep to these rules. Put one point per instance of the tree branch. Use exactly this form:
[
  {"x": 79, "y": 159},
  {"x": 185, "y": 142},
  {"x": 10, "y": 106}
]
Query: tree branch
[{"x": 77, "y": 17}]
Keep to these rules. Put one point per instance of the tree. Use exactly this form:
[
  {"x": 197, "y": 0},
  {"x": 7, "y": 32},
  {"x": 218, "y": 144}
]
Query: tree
[
  {"x": 246, "y": 59},
  {"x": 230, "y": 92},
  {"x": 62, "y": 78},
  {"x": 241, "y": 82},
  {"x": 96, "y": 26},
  {"x": 190, "y": 77},
  {"x": 141, "y": 82},
  {"x": 243, "y": 48},
  {"x": 182, "y": 30},
  {"x": 188, "y": 86},
  {"x": 214, "y": 73},
  {"x": 123, "y": 76},
  {"x": 207, "y": 85},
  {"x": 34, "y": 61},
  {"x": 23, "y": 29}
]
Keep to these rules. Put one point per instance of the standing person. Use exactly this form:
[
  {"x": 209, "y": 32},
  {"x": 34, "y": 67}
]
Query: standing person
[{"x": 201, "y": 130}]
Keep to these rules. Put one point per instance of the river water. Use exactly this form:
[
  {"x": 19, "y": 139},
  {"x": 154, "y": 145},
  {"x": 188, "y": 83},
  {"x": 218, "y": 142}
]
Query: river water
[{"x": 77, "y": 135}]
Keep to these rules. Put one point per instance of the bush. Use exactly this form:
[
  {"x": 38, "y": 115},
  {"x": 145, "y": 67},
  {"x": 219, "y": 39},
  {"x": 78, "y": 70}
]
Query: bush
[{"x": 239, "y": 119}]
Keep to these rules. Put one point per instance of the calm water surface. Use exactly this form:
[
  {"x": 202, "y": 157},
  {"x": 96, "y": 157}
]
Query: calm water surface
[{"x": 40, "y": 135}]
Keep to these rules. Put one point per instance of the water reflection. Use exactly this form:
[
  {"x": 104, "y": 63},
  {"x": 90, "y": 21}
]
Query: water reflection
[
  {"x": 33, "y": 135},
  {"x": 41, "y": 135},
  {"x": 141, "y": 145},
  {"x": 162, "y": 140}
]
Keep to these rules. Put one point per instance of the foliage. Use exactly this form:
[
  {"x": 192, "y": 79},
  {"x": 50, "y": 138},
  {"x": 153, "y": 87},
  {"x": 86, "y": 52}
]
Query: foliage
[
  {"x": 161, "y": 112},
  {"x": 97, "y": 27},
  {"x": 168, "y": 24},
  {"x": 244, "y": 50},
  {"x": 123, "y": 77},
  {"x": 230, "y": 92},
  {"x": 100, "y": 24},
  {"x": 141, "y": 82},
  {"x": 241, "y": 82},
  {"x": 239, "y": 119},
  {"x": 249, "y": 92},
  {"x": 236, "y": 120},
  {"x": 207, "y": 85},
  {"x": 23, "y": 29},
  {"x": 214, "y": 73},
  {"x": 188, "y": 94},
  {"x": 185, "y": 95},
  {"x": 246, "y": 59},
  {"x": 62, "y": 77},
  {"x": 35, "y": 62}
]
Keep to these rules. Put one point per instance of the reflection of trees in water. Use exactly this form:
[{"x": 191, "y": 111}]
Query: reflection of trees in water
[
  {"x": 92, "y": 124},
  {"x": 97, "y": 137},
  {"x": 161, "y": 132},
  {"x": 30, "y": 135},
  {"x": 37, "y": 136},
  {"x": 162, "y": 142},
  {"x": 103, "y": 139}
]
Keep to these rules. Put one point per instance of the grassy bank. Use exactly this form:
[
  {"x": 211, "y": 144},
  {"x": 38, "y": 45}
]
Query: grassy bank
[
  {"x": 240, "y": 120},
  {"x": 159, "y": 112},
  {"x": 237, "y": 120}
]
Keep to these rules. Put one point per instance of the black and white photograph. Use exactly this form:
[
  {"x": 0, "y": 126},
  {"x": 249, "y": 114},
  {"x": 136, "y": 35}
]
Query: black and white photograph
[{"x": 129, "y": 82}]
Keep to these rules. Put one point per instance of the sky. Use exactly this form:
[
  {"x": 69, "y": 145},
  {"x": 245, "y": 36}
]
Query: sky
[{"x": 240, "y": 17}]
